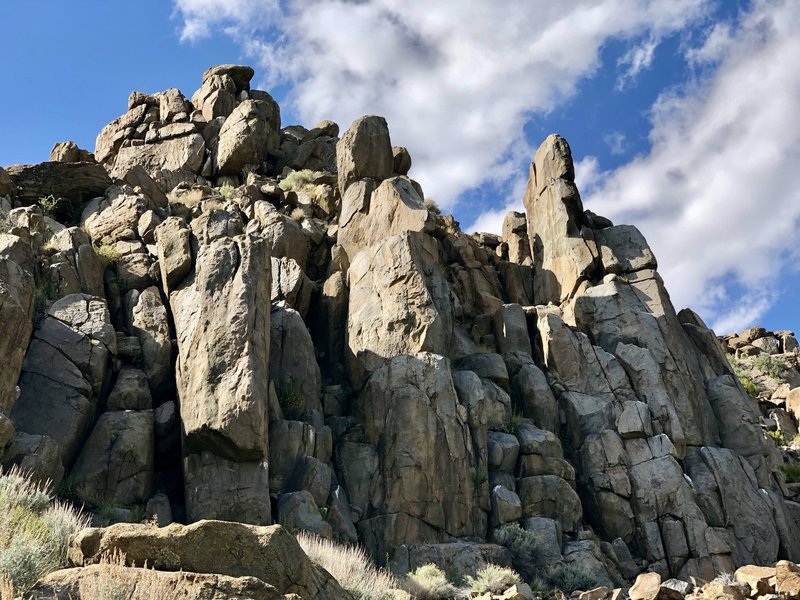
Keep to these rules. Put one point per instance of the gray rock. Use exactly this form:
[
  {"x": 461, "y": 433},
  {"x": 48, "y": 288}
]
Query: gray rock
[{"x": 364, "y": 151}]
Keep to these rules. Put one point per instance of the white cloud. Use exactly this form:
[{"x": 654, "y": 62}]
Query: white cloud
[
  {"x": 636, "y": 59},
  {"x": 718, "y": 196},
  {"x": 615, "y": 142},
  {"x": 456, "y": 80}
]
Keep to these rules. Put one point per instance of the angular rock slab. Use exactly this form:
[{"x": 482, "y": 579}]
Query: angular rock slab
[
  {"x": 222, "y": 322},
  {"x": 399, "y": 303},
  {"x": 410, "y": 412},
  {"x": 270, "y": 554}
]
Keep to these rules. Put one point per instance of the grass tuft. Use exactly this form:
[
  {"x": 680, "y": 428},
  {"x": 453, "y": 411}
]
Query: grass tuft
[
  {"x": 298, "y": 181},
  {"x": 350, "y": 566},
  {"x": 569, "y": 579},
  {"x": 792, "y": 473},
  {"x": 107, "y": 253},
  {"x": 525, "y": 554}
]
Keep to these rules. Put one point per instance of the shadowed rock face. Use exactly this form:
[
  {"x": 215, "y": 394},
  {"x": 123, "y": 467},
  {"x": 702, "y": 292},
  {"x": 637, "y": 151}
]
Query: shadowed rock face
[{"x": 265, "y": 324}]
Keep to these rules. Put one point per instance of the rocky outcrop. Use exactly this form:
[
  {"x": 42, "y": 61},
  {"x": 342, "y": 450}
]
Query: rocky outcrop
[
  {"x": 265, "y": 324},
  {"x": 269, "y": 554}
]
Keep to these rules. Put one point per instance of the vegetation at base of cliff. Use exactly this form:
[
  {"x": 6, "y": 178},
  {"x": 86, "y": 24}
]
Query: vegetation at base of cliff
[
  {"x": 350, "y": 566},
  {"x": 568, "y": 579},
  {"x": 298, "y": 181},
  {"x": 778, "y": 437},
  {"x": 226, "y": 190},
  {"x": 34, "y": 530},
  {"x": 429, "y": 582},
  {"x": 494, "y": 579},
  {"x": 115, "y": 581},
  {"x": 524, "y": 549}
]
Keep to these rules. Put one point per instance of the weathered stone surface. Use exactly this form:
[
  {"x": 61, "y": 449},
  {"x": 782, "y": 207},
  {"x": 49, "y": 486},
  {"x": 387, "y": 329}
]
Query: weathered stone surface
[
  {"x": 369, "y": 217},
  {"x": 164, "y": 160},
  {"x": 147, "y": 320},
  {"x": 533, "y": 397},
  {"x": 760, "y": 579},
  {"x": 131, "y": 391},
  {"x": 69, "y": 152},
  {"x": 66, "y": 584},
  {"x": 174, "y": 251},
  {"x": 115, "y": 466},
  {"x": 240, "y": 74},
  {"x": 564, "y": 255},
  {"x": 222, "y": 323},
  {"x": 410, "y": 412},
  {"x": 365, "y": 150},
  {"x": 16, "y": 307},
  {"x": 7, "y": 188},
  {"x": 646, "y": 587},
  {"x": 293, "y": 366},
  {"x": 297, "y": 511},
  {"x": 37, "y": 455},
  {"x": 218, "y": 488},
  {"x": 787, "y": 579},
  {"x": 270, "y": 554},
  {"x": 506, "y": 506},
  {"x": 77, "y": 182},
  {"x": 387, "y": 319},
  {"x": 623, "y": 249},
  {"x": 552, "y": 497},
  {"x": 246, "y": 136},
  {"x": 453, "y": 557}
]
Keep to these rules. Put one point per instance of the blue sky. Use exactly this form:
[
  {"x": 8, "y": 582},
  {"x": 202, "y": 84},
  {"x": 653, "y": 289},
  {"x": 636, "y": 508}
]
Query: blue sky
[{"x": 680, "y": 114}]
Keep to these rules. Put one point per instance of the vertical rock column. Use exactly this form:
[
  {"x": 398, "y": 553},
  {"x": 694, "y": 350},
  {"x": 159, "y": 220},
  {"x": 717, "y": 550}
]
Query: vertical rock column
[{"x": 222, "y": 320}]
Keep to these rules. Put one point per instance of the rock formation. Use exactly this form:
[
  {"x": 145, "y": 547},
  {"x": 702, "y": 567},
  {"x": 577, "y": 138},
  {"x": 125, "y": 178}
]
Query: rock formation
[{"x": 240, "y": 321}]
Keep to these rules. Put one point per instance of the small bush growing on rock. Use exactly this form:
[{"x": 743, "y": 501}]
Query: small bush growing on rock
[
  {"x": 494, "y": 579},
  {"x": 48, "y": 204},
  {"x": 226, "y": 190},
  {"x": 792, "y": 473},
  {"x": 297, "y": 181},
  {"x": 569, "y": 579},
  {"x": 43, "y": 296},
  {"x": 524, "y": 549},
  {"x": 429, "y": 582},
  {"x": 350, "y": 566},
  {"x": 34, "y": 530},
  {"x": 107, "y": 253},
  {"x": 432, "y": 206},
  {"x": 778, "y": 438},
  {"x": 290, "y": 400},
  {"x": 744, "y": 378}
]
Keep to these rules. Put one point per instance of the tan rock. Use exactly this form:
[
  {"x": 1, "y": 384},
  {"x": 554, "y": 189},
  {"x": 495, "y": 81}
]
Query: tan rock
[
  {"x": 246, "y": 136},
  {"x": 518, "y": 591},
  {"x": 598, "y": 593},
  {"x": 760, "y": 579},
  {"x": 365, "y": 151},
  {"x": 787, "y": 579},
  {"x": 270, "y": 554},
  {"x": 174, "y": 252},
  {"x": 646, "y": 587}
]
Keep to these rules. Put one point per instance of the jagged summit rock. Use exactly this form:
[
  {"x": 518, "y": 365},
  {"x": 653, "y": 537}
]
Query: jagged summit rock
[{"x": 267, "y": 323}]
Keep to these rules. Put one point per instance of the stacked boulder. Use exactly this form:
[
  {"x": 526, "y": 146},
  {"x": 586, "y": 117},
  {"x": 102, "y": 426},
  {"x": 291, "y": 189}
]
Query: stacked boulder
[{"x": 261, "y": 324}]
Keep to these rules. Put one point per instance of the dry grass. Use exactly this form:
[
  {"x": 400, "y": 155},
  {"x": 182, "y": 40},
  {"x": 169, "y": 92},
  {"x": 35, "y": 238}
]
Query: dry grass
[
  {"x": 34, "y": 530},
  {"x": 297, "y": 181},
  {"x": 115, "y": 581},
  {"x": 6, "y": 587},
  {"x": 429, "y": 582},
  {"x": 350, "y": 566}
]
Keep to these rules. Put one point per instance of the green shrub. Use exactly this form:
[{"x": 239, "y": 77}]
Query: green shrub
[
  {"x": 298, "y": 181},
  {"x": 43, "y": 295},
  {"x": 523, "y": 546},
  {"x": 350, "y": 566},
  {"x": 744, "y": 377},
  {"x": 494, "y": 579},
  {"x": 48, "y": 204},
  {"x": 226, "y": 190},
  {"x": 771, "y": 365},
  {"x": 107, "y": 253},
  {"x": 568, "y": 579},
  {"x": 429, "y": 583},
  {"x": 792, "y": 473},
  {"x": 778, "y": 438},
  {"x": 290, "y": 400},
  {"x": 34, "y": 530}
]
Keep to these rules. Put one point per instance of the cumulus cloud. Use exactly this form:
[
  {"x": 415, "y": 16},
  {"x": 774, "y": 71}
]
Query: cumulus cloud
[
  {"x": 635, "y": 60},
  {"x": 718, "y": 195},
  {"x": 457, "y": 80}
]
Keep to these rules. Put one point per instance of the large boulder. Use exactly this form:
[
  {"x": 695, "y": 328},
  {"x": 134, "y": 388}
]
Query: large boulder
[
  {"x": 399, "y": 302},
  {"x": 222, "y": 322},
  {"x": 76, "y": 182},
  {"x": 115, "y": 466},
  {"x": 365, "y": 151},
  {"x": 270, "y": 554},
  {"x": 147, "y": 320},
  {"x": 410, "y": 413},
  {"x": 168, "y": 161},
  {"x": 246, "y": 136},
  {"x": 16, "y": 307}
]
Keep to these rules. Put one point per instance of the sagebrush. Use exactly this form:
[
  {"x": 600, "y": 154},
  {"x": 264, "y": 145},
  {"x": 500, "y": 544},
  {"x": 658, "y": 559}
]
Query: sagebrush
[
  {"x": 34, "y": 530},
  {"x": 522, "y": 544},
  {"x": 494, "y": 579},
  {"x": 297, "y": 181},
  {"x": 429, "y": 582}
]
